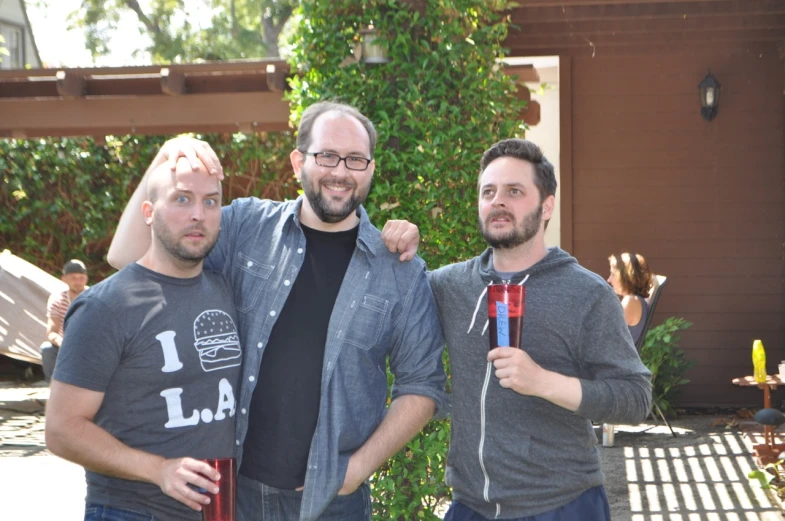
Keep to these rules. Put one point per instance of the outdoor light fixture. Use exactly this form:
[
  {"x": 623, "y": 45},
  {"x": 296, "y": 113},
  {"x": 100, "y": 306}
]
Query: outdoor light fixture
[
  {"x": 709, "y": 90},
  {"x": 372, "y": 51}
]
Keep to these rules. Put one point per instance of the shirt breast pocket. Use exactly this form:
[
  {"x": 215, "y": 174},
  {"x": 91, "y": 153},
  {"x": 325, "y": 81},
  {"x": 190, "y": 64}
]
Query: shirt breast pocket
[
  {"x": 250, "y": 279},
  {"x": 367, "y": 322}
]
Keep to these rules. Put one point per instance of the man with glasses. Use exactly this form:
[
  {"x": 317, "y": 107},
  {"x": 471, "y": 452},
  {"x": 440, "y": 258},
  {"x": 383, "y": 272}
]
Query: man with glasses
[{"x": 322, "y": 307}]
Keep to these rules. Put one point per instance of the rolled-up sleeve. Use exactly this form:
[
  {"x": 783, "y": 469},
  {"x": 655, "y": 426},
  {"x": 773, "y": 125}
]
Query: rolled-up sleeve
[{"x": 418, "y": 344}]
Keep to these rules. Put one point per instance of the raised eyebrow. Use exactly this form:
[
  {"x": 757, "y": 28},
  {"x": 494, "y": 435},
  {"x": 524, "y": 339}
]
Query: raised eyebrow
[{"x": 179, "y": 192}]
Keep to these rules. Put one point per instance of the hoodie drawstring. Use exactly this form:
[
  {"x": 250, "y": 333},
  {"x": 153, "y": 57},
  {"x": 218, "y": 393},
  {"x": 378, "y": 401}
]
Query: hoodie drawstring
[
  {"x": 488, "y": 372},
  {"x": 476, "y": 309},
  {"x": 479, "y": 302}
]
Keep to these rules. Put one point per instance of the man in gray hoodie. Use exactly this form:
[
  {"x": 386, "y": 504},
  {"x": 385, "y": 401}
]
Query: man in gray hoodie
[{"x": 522, "y": 443}]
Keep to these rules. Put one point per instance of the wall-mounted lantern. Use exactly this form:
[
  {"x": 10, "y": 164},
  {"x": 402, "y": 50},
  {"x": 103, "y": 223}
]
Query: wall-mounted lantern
[
  {"x": 372, "y": 51},
  {"x": 709, "y": 90}
]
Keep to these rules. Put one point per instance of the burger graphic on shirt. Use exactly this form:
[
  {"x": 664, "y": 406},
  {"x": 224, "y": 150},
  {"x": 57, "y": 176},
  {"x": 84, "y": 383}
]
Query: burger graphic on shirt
[{"x": 216, "y": 339}]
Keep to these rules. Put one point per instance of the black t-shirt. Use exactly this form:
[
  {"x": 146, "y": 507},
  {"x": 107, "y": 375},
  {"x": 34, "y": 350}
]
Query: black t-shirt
[{"x": 285, "y": 402}]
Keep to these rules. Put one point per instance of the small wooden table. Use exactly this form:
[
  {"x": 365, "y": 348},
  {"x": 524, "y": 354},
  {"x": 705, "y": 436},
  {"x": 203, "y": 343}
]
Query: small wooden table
[{"x": 769, "y": 450}]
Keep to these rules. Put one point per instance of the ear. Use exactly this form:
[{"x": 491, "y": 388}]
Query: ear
[
  {"x": 548, "y": 206},
  {"x": 371, "y": 167},
  {"x": 147, "y": 212},
  {"x": 297, "y": 159}
]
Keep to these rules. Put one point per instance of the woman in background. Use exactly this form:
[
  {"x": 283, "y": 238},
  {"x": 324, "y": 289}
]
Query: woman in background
[{"x": 632, "y": 279}]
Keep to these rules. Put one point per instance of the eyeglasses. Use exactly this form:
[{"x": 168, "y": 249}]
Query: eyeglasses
[{"x": 331, "y": 160}]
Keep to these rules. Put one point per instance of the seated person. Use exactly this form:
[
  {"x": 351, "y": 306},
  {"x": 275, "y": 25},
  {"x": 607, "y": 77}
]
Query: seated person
[
  {"x": 75, "y": 275},
  {"x": 632, "y": 280}
]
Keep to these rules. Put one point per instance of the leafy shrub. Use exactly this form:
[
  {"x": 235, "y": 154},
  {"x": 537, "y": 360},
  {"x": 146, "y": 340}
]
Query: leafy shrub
[
  {"x": 667, "y": 363},
  {"x": 62, "y": 197}
]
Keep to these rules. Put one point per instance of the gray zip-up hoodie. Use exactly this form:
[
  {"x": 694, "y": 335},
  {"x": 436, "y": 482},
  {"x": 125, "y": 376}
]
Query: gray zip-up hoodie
[{"x": 513, "y": 455}]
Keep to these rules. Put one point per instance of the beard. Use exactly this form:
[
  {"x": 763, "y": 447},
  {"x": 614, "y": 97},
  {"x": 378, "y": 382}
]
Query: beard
[
  {"x": 328, "y": 210},
  {"x": 520, "y": 234},
  {"x": 175, "y": 247}
]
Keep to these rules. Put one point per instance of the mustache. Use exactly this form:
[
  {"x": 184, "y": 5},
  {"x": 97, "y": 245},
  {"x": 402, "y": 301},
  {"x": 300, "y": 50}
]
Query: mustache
[
  {"x": 196, "y": 228},
  {"x": 337, "y": 182},
  {"x": 500, "y": 213}
]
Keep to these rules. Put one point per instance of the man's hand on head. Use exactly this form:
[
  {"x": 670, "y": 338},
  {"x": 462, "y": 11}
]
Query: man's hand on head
[
  {"x": 403, "y": 237},
  {"x": 195, "y": 151}
]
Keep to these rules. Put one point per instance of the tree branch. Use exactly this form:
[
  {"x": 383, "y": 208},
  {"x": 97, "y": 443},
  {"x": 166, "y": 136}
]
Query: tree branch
[
  {"x": 152, "y": 26},
  {"x": 271, "y": 29}
]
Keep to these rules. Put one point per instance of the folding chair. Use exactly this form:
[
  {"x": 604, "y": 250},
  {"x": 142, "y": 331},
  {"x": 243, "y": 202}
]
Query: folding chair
[{"x": 651, "y": 300}]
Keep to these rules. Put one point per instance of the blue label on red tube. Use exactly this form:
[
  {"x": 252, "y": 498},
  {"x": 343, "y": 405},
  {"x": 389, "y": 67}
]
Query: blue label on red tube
[{"x": 502, "y": 324}]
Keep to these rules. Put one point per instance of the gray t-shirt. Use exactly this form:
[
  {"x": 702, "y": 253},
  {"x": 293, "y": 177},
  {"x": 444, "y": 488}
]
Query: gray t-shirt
[{"x": 166, "y": 354}]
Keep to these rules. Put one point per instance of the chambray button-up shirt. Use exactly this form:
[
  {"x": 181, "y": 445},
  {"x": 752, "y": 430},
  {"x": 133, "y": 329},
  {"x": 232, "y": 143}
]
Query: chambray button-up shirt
[{"x": 384, "y": 308}]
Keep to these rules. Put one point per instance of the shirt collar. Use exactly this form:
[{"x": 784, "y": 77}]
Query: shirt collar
[{"x": 365, "y": 234}]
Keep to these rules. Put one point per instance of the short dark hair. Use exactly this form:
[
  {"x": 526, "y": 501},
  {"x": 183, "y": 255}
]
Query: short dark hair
[
  {"x": 74, "y": 266},
  {"x": 635, "y": 276},
  {"x": 312, "y": 113},
  {"x": 545, "y": 176}
]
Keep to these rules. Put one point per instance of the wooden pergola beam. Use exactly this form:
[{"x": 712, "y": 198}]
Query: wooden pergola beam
[
  {"x": 162, "y": 114},
  {"x": 186, "y": 68},
  {"x": 276, "y": 78},
  {"x": 172, "y": 82},
  {"x": 69, "y": 84},
  {"x": 531, "y": 114},
  {"x": 524, "y": 73},
  {"x": 73, "y": 83},
  {"x": 217, "y": 97}
]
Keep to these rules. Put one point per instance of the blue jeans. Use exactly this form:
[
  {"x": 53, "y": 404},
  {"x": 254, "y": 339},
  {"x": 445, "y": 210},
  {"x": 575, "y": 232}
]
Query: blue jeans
[
  {"x": 93, "y": 512},
  {"x": 258, "y": 502},
  {"x": 49, "y": 353},
  {"x": 592, "y": 505}
]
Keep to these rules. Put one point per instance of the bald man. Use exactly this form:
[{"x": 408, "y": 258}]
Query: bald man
[{"x": 146, "y": 379}]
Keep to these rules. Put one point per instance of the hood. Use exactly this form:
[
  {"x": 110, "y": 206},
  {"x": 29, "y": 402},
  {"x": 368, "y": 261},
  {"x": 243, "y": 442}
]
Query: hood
[{"x": 554, "y": 258}]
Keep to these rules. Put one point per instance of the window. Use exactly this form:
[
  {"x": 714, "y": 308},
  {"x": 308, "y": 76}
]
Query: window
[{"x": 14, "y": 44}]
